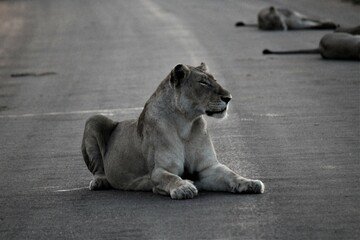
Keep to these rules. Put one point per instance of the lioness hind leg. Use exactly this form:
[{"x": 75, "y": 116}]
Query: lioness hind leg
[
  {"x": 97, "y": 132},
  {"x": 99, "y": 183},
  {"x": 317, "y": 24}
]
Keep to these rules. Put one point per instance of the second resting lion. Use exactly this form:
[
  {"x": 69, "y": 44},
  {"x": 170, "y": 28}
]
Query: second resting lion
[
  {"x": 168, "y": 149},
  {"x": 272, "y": 18}
]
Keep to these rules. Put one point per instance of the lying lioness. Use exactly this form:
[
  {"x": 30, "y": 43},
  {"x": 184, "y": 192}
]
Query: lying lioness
[
  {"x": 332, "y": 46},
  {"x": 272, "y": 18},
  {"x": 168, "y": 143}
]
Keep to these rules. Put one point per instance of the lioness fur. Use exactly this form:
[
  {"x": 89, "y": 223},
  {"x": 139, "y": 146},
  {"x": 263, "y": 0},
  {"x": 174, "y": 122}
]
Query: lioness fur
[
  {"x": 351, "y": 30},
  {"x": 272, "y": 18},
  {"x": 168, "y": 142}
]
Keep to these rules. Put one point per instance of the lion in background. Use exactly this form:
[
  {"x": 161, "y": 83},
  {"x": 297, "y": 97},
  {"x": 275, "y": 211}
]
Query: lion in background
[
  {"x": 168, "y": 149},
  {"x": 337, "y": 45},
  {"x": 273, "y": 18}
]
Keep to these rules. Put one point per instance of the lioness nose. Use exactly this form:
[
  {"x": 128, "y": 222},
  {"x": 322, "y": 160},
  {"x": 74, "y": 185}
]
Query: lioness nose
[{"x": 226, "y": 99}]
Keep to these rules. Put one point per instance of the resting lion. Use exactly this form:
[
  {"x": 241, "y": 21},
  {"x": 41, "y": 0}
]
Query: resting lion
[
  {"x": 272, "y": 18},
  {"x": 342, "y": 46},
  {"x": 167, "y": 149}
]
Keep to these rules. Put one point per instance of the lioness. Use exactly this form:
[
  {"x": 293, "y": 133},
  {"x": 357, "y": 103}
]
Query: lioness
[
  {"x": 167, "y": 143},
  {"x": 272, "y": 18},
  {"x": 332, "y": 46}
]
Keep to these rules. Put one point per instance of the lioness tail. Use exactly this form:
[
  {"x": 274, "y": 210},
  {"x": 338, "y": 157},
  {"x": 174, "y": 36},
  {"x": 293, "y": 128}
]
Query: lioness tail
[
  {"x": 242, "y": 24},
  {"x": 303, "y": 51}
]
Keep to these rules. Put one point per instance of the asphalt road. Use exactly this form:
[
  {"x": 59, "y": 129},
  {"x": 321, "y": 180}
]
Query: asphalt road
[{"x": 294, "y": 120}]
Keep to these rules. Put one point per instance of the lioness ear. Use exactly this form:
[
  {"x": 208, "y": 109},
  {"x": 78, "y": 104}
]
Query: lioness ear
[
  {"x": 203, "y": 67},
  {"x": 180, "y": 72}
]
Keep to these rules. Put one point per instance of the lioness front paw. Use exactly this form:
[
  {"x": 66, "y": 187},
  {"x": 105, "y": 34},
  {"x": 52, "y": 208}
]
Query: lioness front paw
[
  {"x": 256, "y": 186},
  {"x": 251, "y": 186},
  {"x": 186, "y": 190}
]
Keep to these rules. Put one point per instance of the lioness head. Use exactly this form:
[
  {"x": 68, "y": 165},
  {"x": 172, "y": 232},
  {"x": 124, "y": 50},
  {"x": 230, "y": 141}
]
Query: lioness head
[
  {"x": 269, "y": 18},
  {"x": 197, "y": 92}
]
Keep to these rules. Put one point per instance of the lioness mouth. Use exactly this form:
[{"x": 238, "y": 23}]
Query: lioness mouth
[{"x": 210, "y": 113}]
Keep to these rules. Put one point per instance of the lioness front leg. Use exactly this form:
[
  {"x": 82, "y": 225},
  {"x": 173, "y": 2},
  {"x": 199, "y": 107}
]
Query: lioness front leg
[
  {"x": 220, "y": 178},
  {"x": 167, "y": 183}
]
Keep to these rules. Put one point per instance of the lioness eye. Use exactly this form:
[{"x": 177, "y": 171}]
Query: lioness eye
[{"x": 205, "y": 84}]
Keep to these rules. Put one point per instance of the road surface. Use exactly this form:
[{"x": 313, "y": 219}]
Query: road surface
[{"x": 294, "y": 120}]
